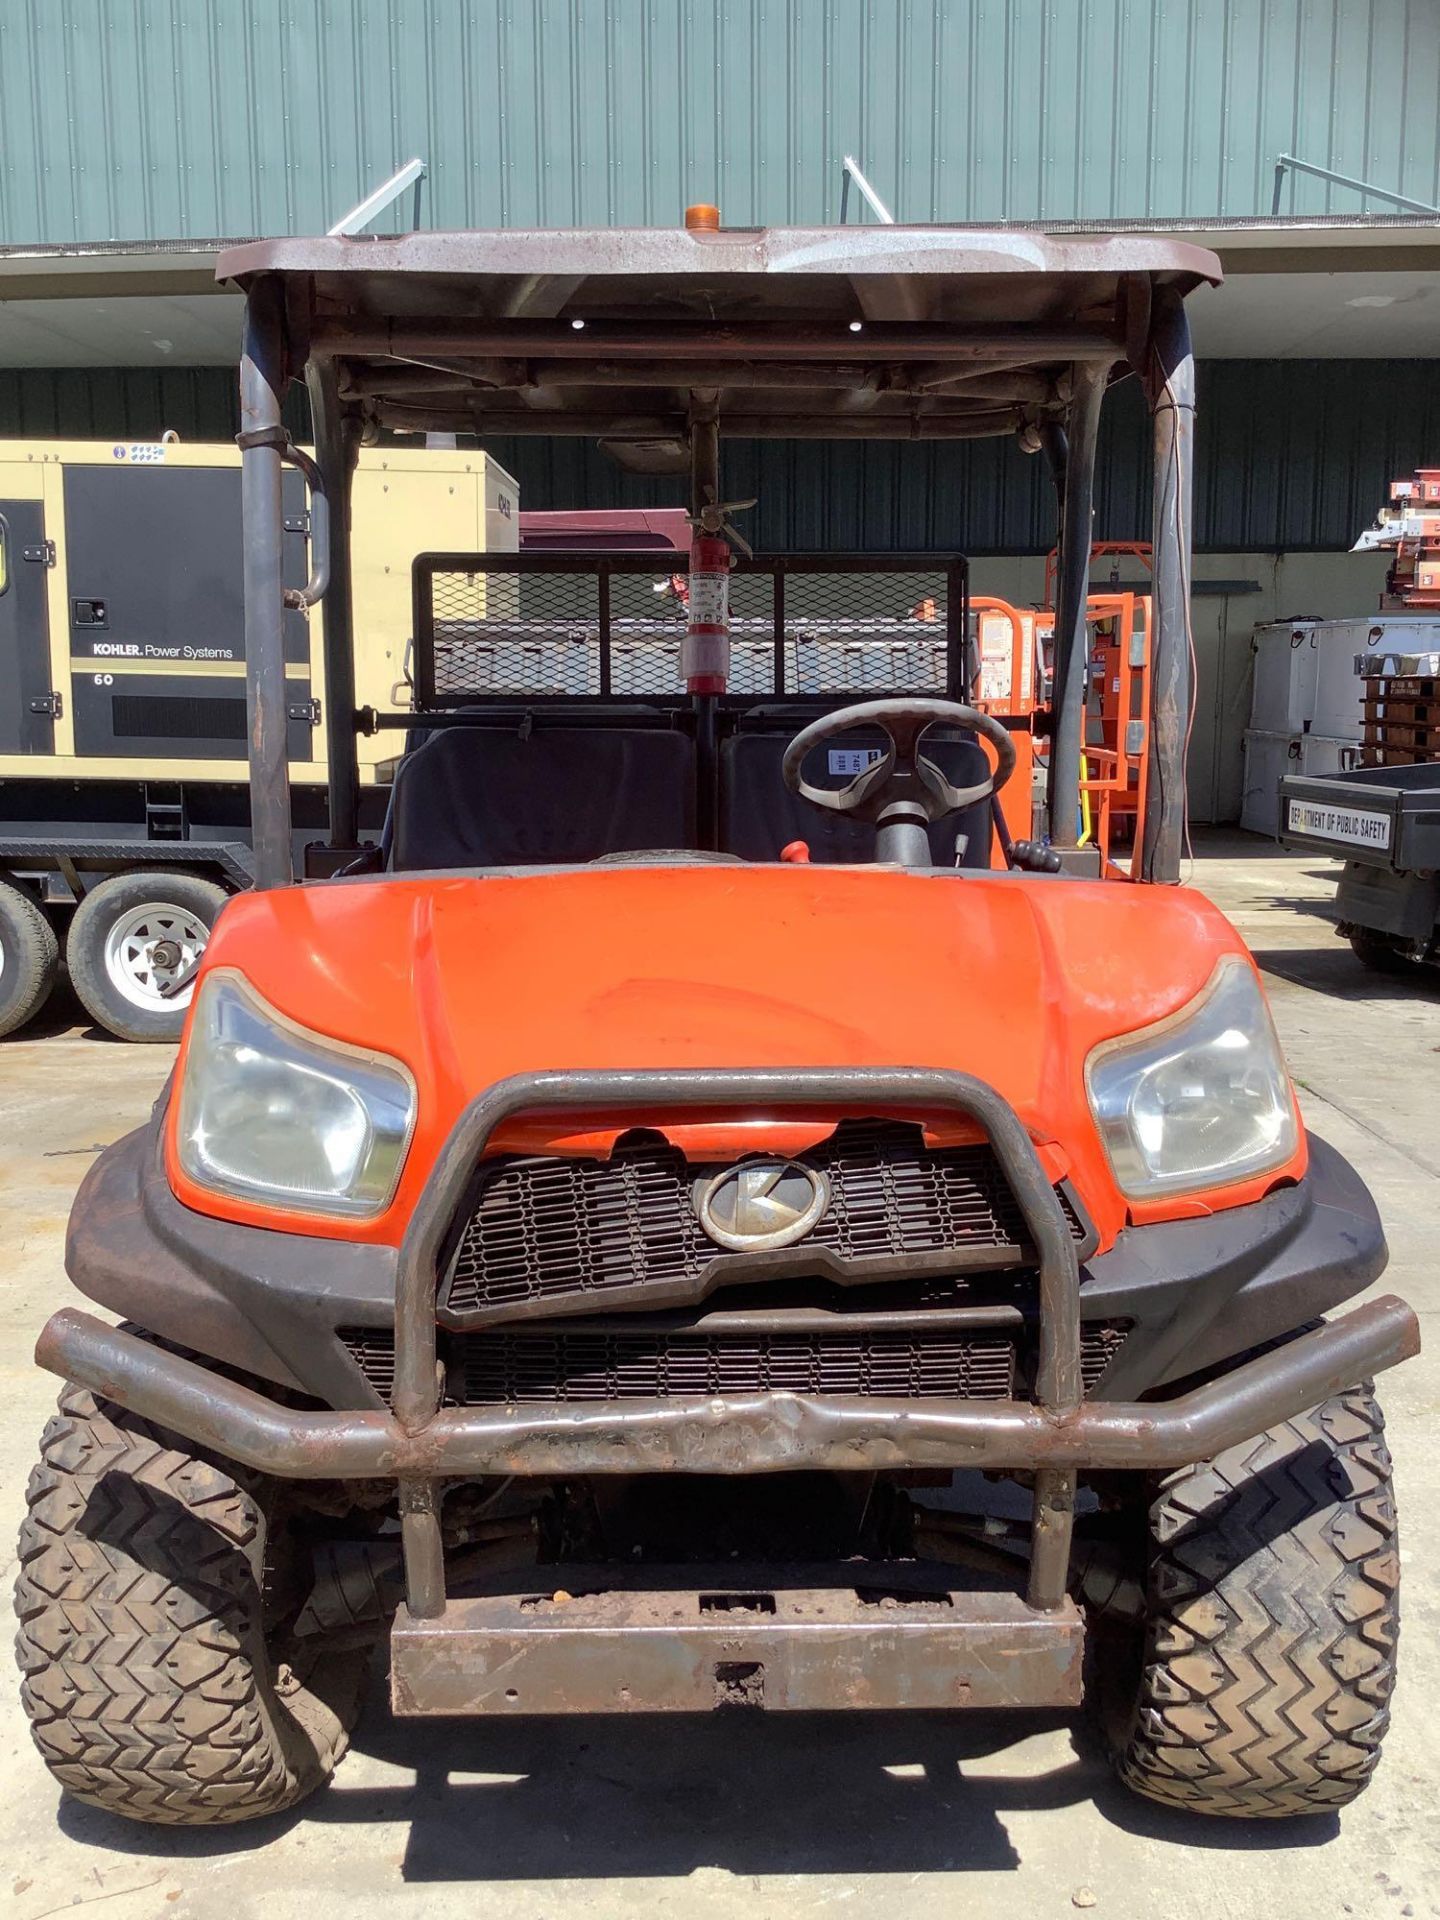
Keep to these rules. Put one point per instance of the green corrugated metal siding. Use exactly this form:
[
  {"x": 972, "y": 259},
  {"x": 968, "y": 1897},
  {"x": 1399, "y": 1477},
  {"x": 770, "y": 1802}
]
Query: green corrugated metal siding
[
  {"x": 1291, "y": 456},
  {"x": 162, "y": 119},
  {"x": 126, "y": 403}
]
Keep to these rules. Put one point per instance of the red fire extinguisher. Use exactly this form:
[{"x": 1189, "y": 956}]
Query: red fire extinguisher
[{"x": 705, "y": 656}]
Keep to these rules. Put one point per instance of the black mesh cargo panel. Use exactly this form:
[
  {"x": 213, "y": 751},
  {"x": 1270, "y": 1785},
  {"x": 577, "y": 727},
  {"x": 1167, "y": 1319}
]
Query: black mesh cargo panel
[{"x": 496, "y": 633}]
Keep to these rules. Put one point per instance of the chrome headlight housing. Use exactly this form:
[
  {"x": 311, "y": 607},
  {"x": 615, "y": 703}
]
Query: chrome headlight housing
[
  {"x": 272, "y": 1113},
  {"x": 1199, "y": 1100}
]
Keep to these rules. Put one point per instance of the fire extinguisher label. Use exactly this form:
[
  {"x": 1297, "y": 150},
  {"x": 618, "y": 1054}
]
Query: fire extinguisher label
[{"x": 709, "y": 600}]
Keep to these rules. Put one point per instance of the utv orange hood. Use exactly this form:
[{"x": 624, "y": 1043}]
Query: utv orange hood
[{"x": 467, "y": 980}]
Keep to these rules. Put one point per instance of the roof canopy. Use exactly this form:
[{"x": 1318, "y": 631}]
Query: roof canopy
[
  {"x": 835, "y": 333},
  {"x": 1297, "y": 288}
]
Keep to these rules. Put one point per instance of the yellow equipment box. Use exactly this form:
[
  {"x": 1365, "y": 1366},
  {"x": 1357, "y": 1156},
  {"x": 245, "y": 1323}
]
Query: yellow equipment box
[
  {"x": 124, "y": 804},
  {"x": 121, "y": 622}
]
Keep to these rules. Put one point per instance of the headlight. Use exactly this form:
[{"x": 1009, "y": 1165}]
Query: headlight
[
  {"x": 1200, "y": 1099},
  {"x": 273, "y": 1113}
]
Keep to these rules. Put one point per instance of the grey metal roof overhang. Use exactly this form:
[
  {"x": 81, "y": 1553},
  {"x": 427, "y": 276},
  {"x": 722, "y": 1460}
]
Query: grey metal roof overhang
[
  {"x": 1297, "y": 288},
  {"x": 833, "y": 333}
]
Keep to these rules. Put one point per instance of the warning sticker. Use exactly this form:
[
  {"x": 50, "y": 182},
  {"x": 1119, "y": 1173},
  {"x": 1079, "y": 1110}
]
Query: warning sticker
[{"x": 709, "y": 600}]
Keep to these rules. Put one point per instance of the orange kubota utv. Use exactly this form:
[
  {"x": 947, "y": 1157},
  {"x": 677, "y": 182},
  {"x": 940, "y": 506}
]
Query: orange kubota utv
[{"x": 625, "y": 1240}]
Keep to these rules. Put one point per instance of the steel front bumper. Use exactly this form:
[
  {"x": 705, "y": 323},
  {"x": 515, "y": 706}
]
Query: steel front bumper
[
  {"x": 741, "y": 1636},
  {"x": 1331, "y": 1237},
  {"x": 785, "y": 1643},
  {"x": 754, "y": 1434}
]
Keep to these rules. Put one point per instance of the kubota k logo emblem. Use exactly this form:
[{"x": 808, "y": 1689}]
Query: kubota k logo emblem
[{"x": 762, "y": 1204}]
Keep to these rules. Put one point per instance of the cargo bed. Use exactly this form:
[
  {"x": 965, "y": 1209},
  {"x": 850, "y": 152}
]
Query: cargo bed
[
  {"x": 1384, "y": 822},
  {"x": 1384, "y": 816}
]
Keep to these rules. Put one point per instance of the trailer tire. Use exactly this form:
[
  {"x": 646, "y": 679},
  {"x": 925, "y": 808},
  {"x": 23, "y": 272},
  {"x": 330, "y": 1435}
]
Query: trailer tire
[
  {"x": 152, "y": 1681},
  {"x": 112, "y": 942},
  {"x": 29, "y": 958},
  {"x": 1270, "y": 1632},
  {"x": 1380, "y": 952}
]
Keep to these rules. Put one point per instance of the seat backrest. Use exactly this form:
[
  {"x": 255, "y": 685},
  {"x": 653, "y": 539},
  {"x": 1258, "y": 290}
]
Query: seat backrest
[
  {"x": 759, "y": 814},
  {"x": 492, "y": 797}
]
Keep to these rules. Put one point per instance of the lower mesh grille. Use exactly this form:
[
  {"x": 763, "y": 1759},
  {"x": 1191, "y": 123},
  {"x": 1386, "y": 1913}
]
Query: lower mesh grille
[
  {"x": 511, "y": 1367},
  {"x": 627, "y": 1366},
  {"x": 373, "y": 1351},
  {"x": 1100, "y": 1341}
]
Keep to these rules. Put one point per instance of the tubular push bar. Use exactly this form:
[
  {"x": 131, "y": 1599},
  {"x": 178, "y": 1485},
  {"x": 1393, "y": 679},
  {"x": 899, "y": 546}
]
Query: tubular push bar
[{"x": 419, "y": 1445}]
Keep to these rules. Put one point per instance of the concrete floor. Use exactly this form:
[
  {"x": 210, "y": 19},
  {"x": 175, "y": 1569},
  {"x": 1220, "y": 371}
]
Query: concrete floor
[{"x": 984, "y": 1815}]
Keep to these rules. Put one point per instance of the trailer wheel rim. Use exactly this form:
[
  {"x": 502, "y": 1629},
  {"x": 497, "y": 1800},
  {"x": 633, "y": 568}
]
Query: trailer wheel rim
[{"x": 147, "y": 979}]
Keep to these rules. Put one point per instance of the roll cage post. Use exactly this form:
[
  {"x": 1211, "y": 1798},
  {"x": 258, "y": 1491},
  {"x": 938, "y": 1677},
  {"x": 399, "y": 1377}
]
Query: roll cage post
[
  {"x": 1167, "y": 369},
  {"x": 1169, "y": 376},
  {"x": 1074, "y": 490},
  {"x": 1156, "y": 344},
  {"x": 263, "y": 377},
  {"x": 337, "y": 446},
  {"x": 705, "y": 490}
]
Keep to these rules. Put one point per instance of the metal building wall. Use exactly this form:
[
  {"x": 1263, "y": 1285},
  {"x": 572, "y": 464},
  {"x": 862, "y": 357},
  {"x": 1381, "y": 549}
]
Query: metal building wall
[
  {"x": 1292, "y": 456},
  {"x": 159, "y": 119}
]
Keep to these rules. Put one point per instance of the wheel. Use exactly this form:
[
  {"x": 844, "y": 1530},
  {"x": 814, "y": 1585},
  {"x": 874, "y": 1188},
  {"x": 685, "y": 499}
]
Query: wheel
[
  {"x": 133, "y": 946},
  {"x": 1269, "y": 1640},
  {"x": 1380, "y": 953},
  {"x": 29, "y": 958},
  {"x": 153, "y": 1587}
]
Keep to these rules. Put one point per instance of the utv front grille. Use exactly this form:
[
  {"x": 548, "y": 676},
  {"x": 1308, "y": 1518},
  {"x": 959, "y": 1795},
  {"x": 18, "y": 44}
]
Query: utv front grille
[
  {"x": 569, "y": 1365},
  {"x": 373, "y": 1351},
  {"x": 581, "y": 1364},
  {"x": 550, "y": 1229}
]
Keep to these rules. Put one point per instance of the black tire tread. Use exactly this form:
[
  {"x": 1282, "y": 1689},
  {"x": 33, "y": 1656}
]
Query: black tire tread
[
  {"x": 1381, "y": 954},
  {"x": 31, "y": 960},
  {"x": 1274, "y": 1614},
  {"x": 146, "y": 1677}
]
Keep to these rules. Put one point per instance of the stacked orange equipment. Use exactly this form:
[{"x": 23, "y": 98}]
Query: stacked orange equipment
[
  {"x": 1414, "y": 576},
  {"x": 1409, "y": 526}
]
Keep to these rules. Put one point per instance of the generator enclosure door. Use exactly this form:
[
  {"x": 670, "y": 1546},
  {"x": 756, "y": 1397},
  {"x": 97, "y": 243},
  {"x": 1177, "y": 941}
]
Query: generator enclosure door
[
  {"x": 157, "y": 620},
  {"x": 27, "y": 698}
]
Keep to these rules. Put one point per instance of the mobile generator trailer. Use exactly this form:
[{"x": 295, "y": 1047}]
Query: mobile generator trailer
[{"x": 124, "y": 801}]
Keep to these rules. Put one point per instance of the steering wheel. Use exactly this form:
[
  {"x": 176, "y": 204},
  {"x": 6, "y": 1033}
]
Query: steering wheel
[{"x": 903, "y": 792}]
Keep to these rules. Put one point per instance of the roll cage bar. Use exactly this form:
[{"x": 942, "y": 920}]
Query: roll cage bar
[{"x": 656, "y": 341}]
